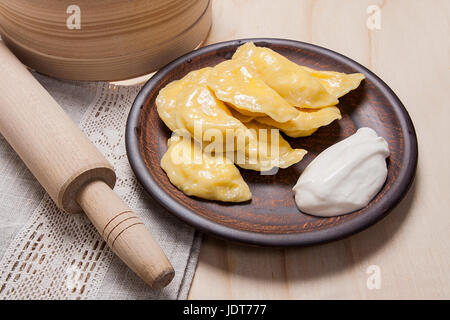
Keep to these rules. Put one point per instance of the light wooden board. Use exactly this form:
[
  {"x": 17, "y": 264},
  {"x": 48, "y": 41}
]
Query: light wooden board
[{"x": 411, "y": 246}]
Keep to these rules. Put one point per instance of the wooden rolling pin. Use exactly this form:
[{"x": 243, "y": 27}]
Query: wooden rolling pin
[{"x": 72, "y": 170}]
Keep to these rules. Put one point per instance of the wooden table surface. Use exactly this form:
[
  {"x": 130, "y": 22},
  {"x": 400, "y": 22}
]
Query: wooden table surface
[{"x": 407, "y": 254}]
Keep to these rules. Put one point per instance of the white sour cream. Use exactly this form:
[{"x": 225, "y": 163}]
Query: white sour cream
[{"x": 344, "y": 177}]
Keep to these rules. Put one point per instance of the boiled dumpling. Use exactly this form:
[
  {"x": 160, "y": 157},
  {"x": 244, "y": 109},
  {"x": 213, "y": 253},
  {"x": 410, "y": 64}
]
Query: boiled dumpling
[
  {"x": 265, "y": 155},
  {"x": 338, "y": 84},
  {"x": 240, "y": 87},
  {"x": 290, "y": 80},
  {"x": 165, "y": 101},
  {"x": 241, "y": 117},
  {"x": 208, "y": 177},
  {"x": 208, "y": 119},
  {"x": 306, "y": 123}
]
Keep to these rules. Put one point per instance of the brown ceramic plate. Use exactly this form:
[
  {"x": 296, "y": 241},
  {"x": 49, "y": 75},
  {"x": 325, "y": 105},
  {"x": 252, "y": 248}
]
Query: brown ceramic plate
[{"x": 271, "y": 217}]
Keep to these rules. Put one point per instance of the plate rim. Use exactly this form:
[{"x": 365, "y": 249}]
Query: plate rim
[{"x": 396, "y": 193}]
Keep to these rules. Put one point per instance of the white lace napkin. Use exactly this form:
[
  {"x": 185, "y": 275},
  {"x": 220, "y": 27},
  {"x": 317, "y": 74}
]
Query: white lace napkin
[{"x": 48, "y": 254}]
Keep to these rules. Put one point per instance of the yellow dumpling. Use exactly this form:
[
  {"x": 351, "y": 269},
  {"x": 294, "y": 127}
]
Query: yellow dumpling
[
  {"x": 269, "y": 151},
  {"x": 241, "y": 117},
  {"x": 338, "y": 84},
  {"x": 306, "y": 123},
  {"x": 290, "y": 80},
  {"x": 165, "y": 101},
  {"x": 208, "y": 119},
  {"x": 240, "y": 87},
  {"x": 207, "y": 177}
]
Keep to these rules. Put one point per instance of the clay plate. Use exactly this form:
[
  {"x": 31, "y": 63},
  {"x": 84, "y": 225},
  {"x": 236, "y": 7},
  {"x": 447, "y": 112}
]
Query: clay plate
[{"x": 271, "y": 217}]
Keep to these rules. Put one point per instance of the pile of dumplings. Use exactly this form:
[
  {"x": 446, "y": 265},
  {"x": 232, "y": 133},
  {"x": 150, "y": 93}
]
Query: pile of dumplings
[{"x": 256, "y": 89}]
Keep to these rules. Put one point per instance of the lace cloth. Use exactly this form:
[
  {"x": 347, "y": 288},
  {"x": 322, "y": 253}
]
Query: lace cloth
[{"x": 48, "y": 254}]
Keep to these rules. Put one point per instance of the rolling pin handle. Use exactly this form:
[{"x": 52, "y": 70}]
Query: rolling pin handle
[{"x": 125, "y": 233}]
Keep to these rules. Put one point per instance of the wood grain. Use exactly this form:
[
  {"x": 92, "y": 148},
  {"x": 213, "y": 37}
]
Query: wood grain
[
  {"x": 411, "y": 246},
  {"x": 116, "y": 39}
]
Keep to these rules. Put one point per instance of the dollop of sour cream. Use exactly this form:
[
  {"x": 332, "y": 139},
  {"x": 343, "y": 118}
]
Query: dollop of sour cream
[{"x": 344, "y": 177}]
